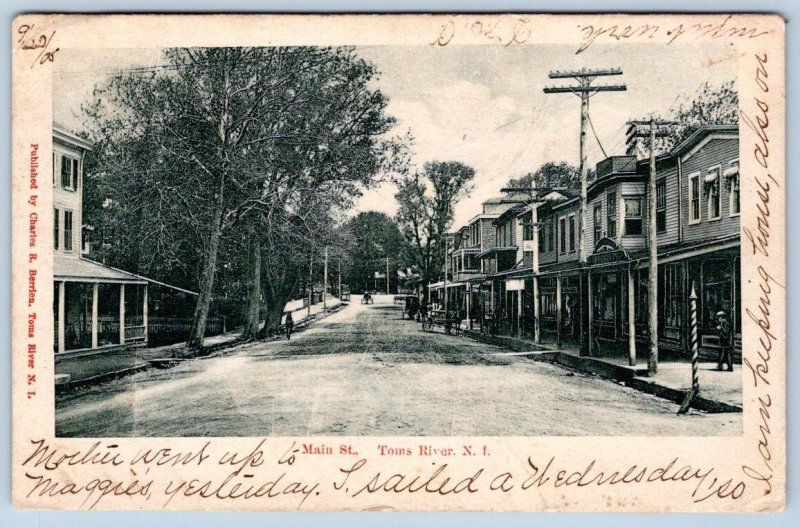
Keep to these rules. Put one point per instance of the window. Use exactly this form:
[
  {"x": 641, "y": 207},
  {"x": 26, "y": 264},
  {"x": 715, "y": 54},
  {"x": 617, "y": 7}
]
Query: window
[
  {"x": 714, "y": 194},
  {"x": 572, "y": 232},
  {"x": 611, "y": 210},
  {"x": 86, "y": 242},
  {"x": 542, "y": 238},
  {"x": 694, "y": 198},
  {"x": 717, "y": 292},
  {"x": 551, "y": 235},
  {"x": 469, "y": 262},
  {"x": 642, "y": 290},
  {"x": 606, "y": 293},
  {"x": 598, "y": 222},
  {"x": 671, "y": 295},
  {"x": 633, "y": 216},
  {"x": 527, "y": 229},
  {"x": 78, "y": 304},
  {"x": 505, "y": 235},
  {"x": 476, "y": 234},
  {"x": 735, "y": 193},
  {"x": 55, "y": 167},
  {"x": 67, "y": 230},
  {"x": 69, "y": 173},
  {"x": 55, "y": 229},
  {"x": 661, "y": 205},
  {"x": 562, "y": 234}
]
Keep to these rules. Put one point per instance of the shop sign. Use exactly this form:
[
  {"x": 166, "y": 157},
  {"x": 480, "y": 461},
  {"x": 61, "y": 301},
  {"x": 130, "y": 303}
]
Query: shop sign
[{"x": 515, "y": 284}]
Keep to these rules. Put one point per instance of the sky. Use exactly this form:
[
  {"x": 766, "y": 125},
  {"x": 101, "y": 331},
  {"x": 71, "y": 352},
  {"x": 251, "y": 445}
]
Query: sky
[{"x": 481, "y": 105}]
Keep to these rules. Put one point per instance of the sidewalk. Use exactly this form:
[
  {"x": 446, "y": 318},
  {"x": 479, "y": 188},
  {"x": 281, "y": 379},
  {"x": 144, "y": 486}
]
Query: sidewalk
[
  {"x": 720, "y": 391},
  {"x": 101, "y": 365}
]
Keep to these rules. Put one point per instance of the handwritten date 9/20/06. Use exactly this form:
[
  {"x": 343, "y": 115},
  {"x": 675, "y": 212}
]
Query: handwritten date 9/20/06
[{"x": 38, "y": 42}]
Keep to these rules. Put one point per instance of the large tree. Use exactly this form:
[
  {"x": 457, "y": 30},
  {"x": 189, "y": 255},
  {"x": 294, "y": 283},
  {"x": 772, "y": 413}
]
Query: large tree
[
  {"x": 427, "y": 202},
  {"x": 549, "y": 175},
  {"x": 371, "y": 237},
  {"x": 236, "y": 138}
]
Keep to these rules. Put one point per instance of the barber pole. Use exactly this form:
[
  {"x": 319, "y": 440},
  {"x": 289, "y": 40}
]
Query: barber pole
[
  {"x": 693, "y": 305},
  {"x": 695, "y": 379}
]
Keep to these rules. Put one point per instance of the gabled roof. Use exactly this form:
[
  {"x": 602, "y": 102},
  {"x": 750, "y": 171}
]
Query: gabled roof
[
  {"x": 62, "y": 135},
  {"x": 510, "y": 213},
  {"x": 699, "y": 134},
  {"x": 483, "y": 216}
]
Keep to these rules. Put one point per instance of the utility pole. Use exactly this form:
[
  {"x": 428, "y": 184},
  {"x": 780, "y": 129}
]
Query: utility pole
[
  {"x": 310, "y": 284},
  {"x": 535, "y": 200},
  {"x": 339, "y": 285},
  {"x": 325, "y": 288},
  {"x": 654, "y": 128},
  {"x": 446, "y": 247},
  {"x": 535, "y": 263},
  {"x": 387, "y": 275},
  {"x": 584, "y": 89}
]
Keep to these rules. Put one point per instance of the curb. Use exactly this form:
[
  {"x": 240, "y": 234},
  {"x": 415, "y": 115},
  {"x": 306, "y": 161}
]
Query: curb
[
  {"x": 629, "y": 376},
  {"x": 168, "y": 361}
]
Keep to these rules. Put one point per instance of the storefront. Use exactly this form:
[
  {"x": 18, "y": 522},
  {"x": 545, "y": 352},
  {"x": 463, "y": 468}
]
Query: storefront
[
  {"x": 716, "y": 277},
  {"x": 611, "y": 297}
]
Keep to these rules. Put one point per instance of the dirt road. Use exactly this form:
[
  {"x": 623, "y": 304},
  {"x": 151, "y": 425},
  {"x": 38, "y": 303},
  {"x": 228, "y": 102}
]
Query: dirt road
[{"x": 364, "y": 371}]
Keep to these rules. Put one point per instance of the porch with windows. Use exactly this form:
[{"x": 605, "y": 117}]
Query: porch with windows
[{"x": 96, "y": 307}]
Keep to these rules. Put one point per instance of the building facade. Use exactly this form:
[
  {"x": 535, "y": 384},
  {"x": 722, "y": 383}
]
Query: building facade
[{"x": 601, "y": 305}]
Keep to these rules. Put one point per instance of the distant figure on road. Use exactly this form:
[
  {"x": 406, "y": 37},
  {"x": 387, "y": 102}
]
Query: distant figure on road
[
  {"x": 725, "y": 341},
  {"x": 289, "y": 325}
]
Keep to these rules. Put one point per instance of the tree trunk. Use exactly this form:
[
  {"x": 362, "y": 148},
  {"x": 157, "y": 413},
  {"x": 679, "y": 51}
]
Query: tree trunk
[
  {"x": 253, "y": 311},
  {"x": 276, "y": 295},
  {"x": 197, "y": 335},
  {"x": 274, "y": 306}
]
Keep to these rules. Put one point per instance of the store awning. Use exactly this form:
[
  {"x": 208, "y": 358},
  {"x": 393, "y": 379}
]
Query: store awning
[
  {"x": 500, "y": 249},
  {"x": 513, "y": 272},
  {"x": 731, "y": 172},
  {"x": 469, "y": 250}
]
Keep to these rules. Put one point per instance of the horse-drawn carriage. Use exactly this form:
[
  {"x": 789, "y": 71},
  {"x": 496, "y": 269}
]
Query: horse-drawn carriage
[
  {"x": 411, "y": 306},
  {"x": 450, "y": 321}
]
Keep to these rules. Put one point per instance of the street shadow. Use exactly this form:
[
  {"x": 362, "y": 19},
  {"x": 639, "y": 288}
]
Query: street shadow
[{"x": 388, "y": 349}]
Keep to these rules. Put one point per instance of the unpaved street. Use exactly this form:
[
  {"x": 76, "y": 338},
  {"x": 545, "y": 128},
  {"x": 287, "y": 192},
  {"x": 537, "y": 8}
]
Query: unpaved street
[{"x": 364, "y": 371}]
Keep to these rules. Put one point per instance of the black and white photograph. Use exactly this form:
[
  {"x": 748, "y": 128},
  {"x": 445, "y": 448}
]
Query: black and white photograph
[
  {"x": 397, "y": 241},
  {"x": 388, "y": 263}
]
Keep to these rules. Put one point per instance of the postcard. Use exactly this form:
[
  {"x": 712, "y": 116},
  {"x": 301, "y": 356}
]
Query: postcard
[{"x": 399, "y": 262}]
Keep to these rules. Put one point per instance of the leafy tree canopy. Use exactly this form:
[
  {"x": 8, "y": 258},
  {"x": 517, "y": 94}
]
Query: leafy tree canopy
[{"x": 709, "y": 105}]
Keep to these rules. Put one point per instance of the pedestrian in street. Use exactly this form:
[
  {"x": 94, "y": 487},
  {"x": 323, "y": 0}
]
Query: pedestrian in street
[
  {"x": 289, "y": 325},
  {"x": 725, "y": 341}
]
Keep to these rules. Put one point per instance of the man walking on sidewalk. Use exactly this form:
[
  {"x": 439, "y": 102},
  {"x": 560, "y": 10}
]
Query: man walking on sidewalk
[
  {"x": 725, "y": 341},
  {"x": 289, "y": 325}
]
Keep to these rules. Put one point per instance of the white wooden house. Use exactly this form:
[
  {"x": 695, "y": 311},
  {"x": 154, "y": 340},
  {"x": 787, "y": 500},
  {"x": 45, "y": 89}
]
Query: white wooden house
[{"x": 95, "y": 307}]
